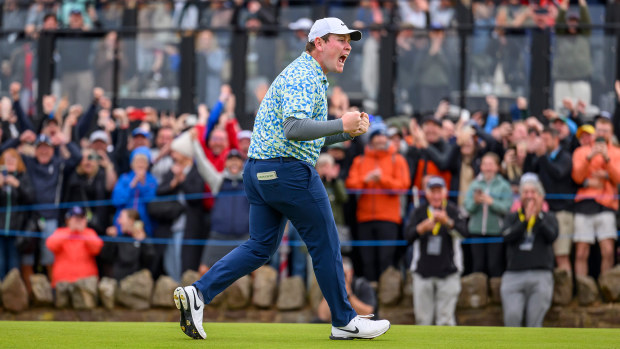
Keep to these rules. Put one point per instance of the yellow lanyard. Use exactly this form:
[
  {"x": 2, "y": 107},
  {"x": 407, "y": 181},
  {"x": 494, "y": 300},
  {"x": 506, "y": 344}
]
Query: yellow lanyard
[
  {"x": 530, "y": 223},
  {"x": 430, "y": 216}
]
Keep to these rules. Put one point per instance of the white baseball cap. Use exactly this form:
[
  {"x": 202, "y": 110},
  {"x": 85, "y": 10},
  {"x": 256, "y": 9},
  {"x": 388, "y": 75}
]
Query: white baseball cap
[
  {"x": 99, "y": 135},
  {"x": 301, "y": 24},
  {"x": 331, "y": 25}
]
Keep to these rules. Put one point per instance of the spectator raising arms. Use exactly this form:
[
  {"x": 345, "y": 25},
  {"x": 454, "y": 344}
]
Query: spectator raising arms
[{"x": 597, "y": 169}]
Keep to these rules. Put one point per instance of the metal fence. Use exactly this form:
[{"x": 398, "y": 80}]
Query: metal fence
[{"x": 392, "y": 71}]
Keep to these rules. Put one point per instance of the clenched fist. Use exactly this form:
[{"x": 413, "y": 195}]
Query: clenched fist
[{"x": 355, "y": 123}]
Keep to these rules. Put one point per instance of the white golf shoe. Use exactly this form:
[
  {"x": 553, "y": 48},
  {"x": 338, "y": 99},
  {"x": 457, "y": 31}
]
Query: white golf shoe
[
  {"x": 188, "y": 302},
  {"x": 361, "y": 327}
]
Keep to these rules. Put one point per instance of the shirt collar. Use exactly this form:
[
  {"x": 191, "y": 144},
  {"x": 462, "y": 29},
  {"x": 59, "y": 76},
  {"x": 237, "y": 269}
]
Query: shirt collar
[
  {"x": 554, "y": 153},
  {"x": 315, "y": 65}
]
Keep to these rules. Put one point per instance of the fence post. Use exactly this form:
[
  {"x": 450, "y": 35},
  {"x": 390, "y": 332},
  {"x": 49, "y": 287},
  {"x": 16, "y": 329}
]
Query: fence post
[
  {"x": 238, "y": 50},
  {"x": 540, "y": 74},
  {"x": 45, "y": 68},
  {"x": 463, "y": 35},
  {"x": 387, "y": 69},
  {"x": 187, "y": 75}
]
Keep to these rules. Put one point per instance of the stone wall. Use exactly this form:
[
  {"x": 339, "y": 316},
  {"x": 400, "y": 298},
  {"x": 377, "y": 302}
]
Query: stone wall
[{"x": 258, "y": 298}]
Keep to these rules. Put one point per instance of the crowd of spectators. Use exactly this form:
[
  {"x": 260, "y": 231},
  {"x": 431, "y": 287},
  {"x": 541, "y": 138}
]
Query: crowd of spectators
[
  {"x": 88, "y": 171},
  {"x": 147, "y": 63}
]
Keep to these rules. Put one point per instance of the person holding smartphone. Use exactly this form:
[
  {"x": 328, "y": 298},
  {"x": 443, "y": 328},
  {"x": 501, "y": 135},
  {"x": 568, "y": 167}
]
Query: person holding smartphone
[
  {"x": 93, "y": 180},
  {"x": 596, "y": 168},
  {"x": 127, "y": 257},
  {"x": 487, "y": 201},
  {"x": 75, "y": 248},
  {"x": 15, "y": 190}
]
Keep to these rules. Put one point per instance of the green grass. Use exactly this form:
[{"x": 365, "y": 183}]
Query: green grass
[{"x": 15, "y": 334}]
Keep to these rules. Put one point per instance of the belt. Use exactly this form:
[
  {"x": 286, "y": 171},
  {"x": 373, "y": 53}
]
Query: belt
[{"x": 278, "y": 159}]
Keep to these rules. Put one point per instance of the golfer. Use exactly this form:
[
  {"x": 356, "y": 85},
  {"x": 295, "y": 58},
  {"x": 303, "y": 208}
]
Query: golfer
[{"x": 281, "y": 183}]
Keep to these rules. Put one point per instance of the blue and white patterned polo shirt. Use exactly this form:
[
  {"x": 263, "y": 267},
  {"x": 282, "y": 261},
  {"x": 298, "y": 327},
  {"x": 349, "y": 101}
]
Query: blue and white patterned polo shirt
[{"x": 299, "y": 91}]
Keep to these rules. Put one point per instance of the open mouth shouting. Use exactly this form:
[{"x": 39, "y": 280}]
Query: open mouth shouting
[{"x": 342, "y": 59}]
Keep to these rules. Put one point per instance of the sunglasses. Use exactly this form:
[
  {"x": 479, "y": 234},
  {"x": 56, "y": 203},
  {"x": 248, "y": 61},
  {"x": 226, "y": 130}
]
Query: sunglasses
[{"x": 94, "y": 157}]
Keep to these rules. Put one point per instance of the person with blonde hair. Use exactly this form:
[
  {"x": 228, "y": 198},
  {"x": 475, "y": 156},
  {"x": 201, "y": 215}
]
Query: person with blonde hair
[
  {"x": 15, "y": 190},
  {"x": 488, "y": 199}
]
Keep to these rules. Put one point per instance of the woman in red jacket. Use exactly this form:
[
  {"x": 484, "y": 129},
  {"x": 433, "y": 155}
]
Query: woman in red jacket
[{"x": 75, "y": 248}]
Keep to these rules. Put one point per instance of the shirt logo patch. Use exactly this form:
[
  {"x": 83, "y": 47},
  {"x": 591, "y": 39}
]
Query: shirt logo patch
[{"x": 267, "y": 176}]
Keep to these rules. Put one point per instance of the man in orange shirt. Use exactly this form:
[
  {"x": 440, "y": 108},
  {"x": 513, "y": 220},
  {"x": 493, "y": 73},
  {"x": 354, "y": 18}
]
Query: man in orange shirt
[
  {"x": 378, "y": 171},
  {"x": 596, "y": 168},
  {"x": 75, "y": 248}
]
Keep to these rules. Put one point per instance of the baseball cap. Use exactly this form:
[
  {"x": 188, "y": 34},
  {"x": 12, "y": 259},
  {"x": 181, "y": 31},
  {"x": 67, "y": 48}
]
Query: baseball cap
[
  {"x": 377, "y": 128},
  {"x": 435, "y": 182},
  {"x": 585, "y": 129},
  {"x": 331, "y": 25},
  {"x": 234, "y": 153},
  {"x": 392, "y": 131},
  {"x": 433, "y": 119},
  {"x": 75, "y": 211},
  {"x": 43, "y": 139},
  {"x": 140, "y": 132},
  {"x": 49, "y": 121},
  {"x": 244, "y": 134},
  {"x": 99, "y": 135},
  {"x": 301, "y": 24},
  {"x": 604, "y": 114},
  {"x": 559, "y": 118},
  {"x": 75, "y": 11}
]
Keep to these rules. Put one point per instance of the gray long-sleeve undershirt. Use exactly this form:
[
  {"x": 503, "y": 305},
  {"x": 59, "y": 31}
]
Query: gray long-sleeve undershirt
[{"x": 307, "y": 129}]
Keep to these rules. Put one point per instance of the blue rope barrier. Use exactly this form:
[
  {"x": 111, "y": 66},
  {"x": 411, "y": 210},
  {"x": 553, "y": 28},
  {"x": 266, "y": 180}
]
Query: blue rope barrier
[
  {"x": 213, "y": 242},
  {"x": 207, "y": 195}
]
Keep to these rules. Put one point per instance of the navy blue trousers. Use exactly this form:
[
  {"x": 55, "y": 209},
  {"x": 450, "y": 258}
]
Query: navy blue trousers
[{"x": 287, "y": 189}]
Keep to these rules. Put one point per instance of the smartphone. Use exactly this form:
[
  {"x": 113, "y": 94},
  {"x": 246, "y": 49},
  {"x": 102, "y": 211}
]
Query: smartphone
[
  {"x": 138, "y": 225},
  {"x": 465, "y": 115},
  {"x": 4, "y": 171},
  {"x": 600, "y": 140}
]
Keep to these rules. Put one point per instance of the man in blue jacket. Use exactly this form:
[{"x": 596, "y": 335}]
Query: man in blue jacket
[{"x": 136, "y": 188}]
